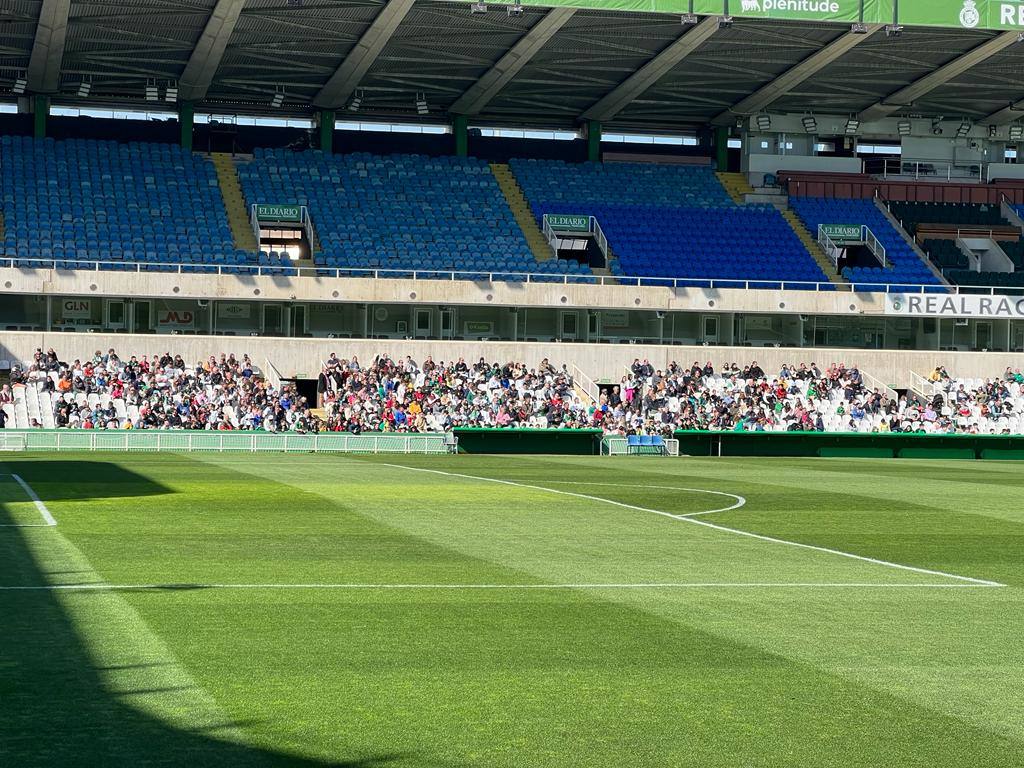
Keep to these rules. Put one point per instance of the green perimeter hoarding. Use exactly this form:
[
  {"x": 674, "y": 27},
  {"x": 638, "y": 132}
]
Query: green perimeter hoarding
[{"x": 958, "y": 14}]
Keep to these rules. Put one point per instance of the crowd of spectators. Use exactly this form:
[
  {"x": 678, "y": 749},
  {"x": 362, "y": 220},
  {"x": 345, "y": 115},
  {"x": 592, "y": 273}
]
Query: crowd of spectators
[
  {"x": 408, "y": 396},
  {"x": 404, "y": 395},
  {"x": 163, "y": 392}
]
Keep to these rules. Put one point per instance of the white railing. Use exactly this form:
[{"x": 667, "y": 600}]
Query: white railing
[
  {"x": 157, "y": 440},
  {"x": 875, "y": 246},
  {"x": 599, "y": 236},
  {"x": 875, "y": 383},
  {"x": 923, "y": 387},
  {"x": 932, "y": 170},
  {"x": 832, "y": 250},
  {"x": 234, "y": 270},
  {"x": 585, "y": 383}
]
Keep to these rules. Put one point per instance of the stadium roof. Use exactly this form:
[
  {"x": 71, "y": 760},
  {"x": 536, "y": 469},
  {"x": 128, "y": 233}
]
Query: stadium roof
[{"x": 542, "y": 67}]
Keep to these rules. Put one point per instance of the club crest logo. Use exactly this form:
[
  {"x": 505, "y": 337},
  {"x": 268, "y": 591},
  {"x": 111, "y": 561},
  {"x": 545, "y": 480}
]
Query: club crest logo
[
  {"x": 751, "y": 6},
  {"x": 969, "y": 16}
]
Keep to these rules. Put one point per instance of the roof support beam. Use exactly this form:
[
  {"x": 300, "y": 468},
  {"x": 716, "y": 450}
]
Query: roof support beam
[
  {"x": 202, "y": 65},
  {"x": 479, "y": 95},
  {"x": 905, "y": 97},
  {"x": 43, "y": 74},
  {"x": 650, "y": 73},
  {"x": 1007, "y": 114},
  {"x": 794, "y": 76},
  {"x": 343, "y": 83}
]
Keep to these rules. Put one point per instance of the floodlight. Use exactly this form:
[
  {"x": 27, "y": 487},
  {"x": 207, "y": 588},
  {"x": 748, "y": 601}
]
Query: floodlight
[
  {"x": 421, "y": 104},
  {"x": 810, "y": 124},
  {"x": 152, "y": 92},
  {"x": 904, "y": 127},
  {"x": 689, "y": 19},
  {"x": 478, "y": 8},
  {"x": 852, "y": 126},
  {"x": 1016, "y": 132},
  {"x": 19, "y": 86},
  {"x": 764, "y": 122}
]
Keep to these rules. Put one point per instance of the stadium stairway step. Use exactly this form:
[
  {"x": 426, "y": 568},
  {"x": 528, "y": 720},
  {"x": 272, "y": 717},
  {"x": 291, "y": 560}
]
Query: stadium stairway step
[
  {"x": 521, "y": 211},
  {"x": 234, "y": 201},
  {"x": 606, "y": 274},
  {"x": 736, "y": 185},
  {"x": 813, "y": 248}
]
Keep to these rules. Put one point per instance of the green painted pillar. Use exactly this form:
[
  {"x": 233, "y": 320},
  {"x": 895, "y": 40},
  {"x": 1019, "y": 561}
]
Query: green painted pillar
[
  {"x": 325, "y": 126},
  {"x": 186, "y": 119},
  {"x": 593, "y": 141},
  {"x": 40, "y": 112},
  {"x": 460, "y": 127},
  {"x": 722, "y": 148}
]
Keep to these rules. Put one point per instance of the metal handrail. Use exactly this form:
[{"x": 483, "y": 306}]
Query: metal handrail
[
  {"x": 486, "y": 276},
  {"x": 832, "y": 250}
]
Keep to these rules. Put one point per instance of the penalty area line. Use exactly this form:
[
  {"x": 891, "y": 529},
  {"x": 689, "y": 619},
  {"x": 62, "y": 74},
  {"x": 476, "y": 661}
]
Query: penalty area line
[
  {"x": 184, "y": 587},
  {"x": 706, "y": 524}
]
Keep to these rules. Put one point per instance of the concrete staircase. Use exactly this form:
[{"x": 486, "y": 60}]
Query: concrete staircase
[
  {"x": 234, "y": 201},
  {"x": 813, "y": 248},
  {"x": 521, "y": 211},
  {"x": 736, "y": 185}
]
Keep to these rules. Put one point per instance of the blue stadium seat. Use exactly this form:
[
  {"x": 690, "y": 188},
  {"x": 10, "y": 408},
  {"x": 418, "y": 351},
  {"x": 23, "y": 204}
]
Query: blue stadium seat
[
  {"x": 671, "y": 221},
  {"x": 79, "y": 200}
]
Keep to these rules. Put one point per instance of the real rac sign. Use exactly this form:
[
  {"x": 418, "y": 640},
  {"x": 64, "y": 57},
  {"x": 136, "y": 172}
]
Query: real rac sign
[
  {"x": 949, "y": 305},
  {"x": 266, "y": 212},
  {"x": 561, "y": 222}
]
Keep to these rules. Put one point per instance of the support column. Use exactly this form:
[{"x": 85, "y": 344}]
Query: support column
[
  {"x": 186, "y": 119},
  {"x": 722, "y": 148},
  {"x": 325, "y": 130},
  {"x": 593, "y": 141},
  {"x": 40, "y": 113},
  {"x": 460, "y": 127}
]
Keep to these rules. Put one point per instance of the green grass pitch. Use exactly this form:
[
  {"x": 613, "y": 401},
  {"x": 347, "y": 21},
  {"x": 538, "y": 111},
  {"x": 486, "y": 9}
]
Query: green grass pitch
[{"x": 280, "y": 610}]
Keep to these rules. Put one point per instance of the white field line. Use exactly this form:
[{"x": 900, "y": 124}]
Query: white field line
[
  {"x": 740, "y": 501},
  {"x": 103, "y": 587},
  {"x": 43, "y": 511},
  {"x": 139, "y": 664},
  {"x": 688, "y": 519}
]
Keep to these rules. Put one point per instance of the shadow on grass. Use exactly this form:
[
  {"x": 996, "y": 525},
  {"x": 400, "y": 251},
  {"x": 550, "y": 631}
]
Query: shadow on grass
[{"x": 58, "y": 704}]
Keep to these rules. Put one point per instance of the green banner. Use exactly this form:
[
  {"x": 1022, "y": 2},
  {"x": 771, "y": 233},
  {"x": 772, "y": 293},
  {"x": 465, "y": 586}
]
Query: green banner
[
  {"x": 279, "y": 212},
  {"x": 560, "y": 222},
  {"x": 965, "y": 14},
  {"x": 844, "y": 233},
  {"x": 956, "y": 14}
]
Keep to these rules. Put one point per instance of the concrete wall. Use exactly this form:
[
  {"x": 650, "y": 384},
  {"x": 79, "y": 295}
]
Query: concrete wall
[
  {"x": 431, "y": 292},
  {"x": 599, "y": 361}
]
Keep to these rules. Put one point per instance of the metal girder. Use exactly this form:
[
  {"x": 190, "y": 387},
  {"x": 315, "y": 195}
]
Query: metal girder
[
  {"x": 1007, "y": 114},
  {"x": 905, "y": 97},
  {"x": 794, "y": 76},
  {"x": 633, "y": 86},
  {"x": 479, "y": 95},
  {"x": 48, "y": 49},
  {"x": 345, "y": 79},
  {"x": 202, "y": 65}
]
